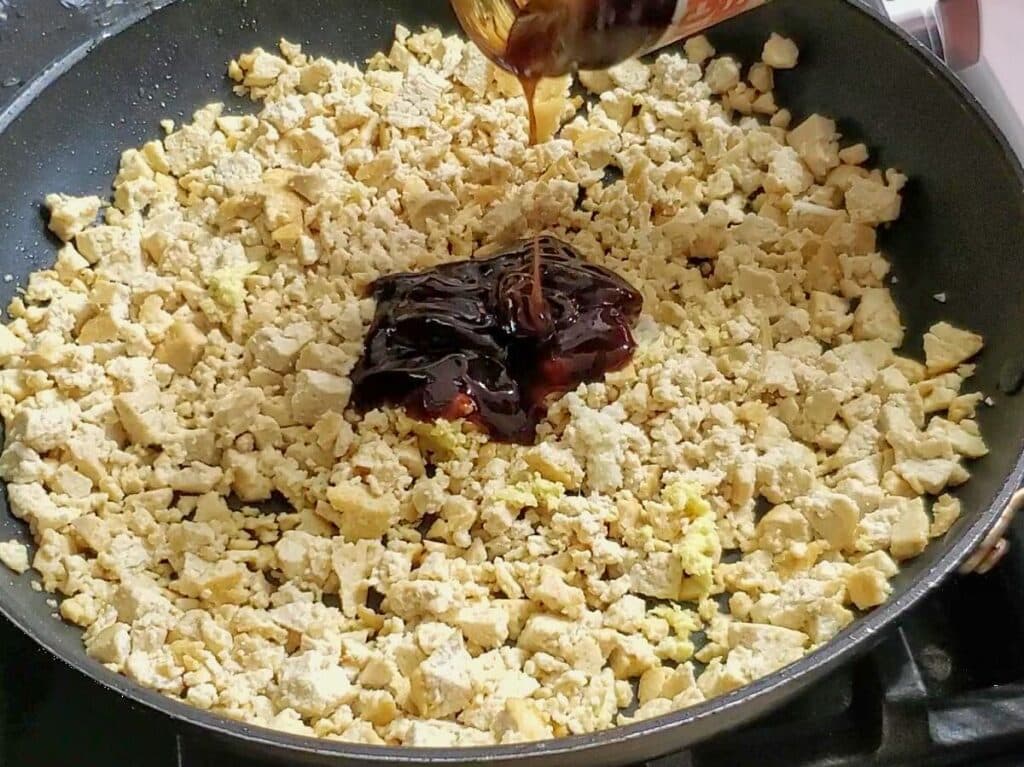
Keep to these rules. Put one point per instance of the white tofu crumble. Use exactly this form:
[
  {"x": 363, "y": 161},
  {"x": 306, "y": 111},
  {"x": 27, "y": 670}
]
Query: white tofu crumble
[
  {"x": 14, "y": 554},
  {"x": 415, "y": 583}
]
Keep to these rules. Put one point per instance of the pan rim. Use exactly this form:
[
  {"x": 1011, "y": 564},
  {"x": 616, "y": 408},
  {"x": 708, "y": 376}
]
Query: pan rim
[{"x": 729, "y": 707}]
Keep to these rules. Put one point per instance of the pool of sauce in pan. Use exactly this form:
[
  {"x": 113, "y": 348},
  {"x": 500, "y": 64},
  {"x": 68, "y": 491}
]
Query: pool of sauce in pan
[{"x": 490, "y": 339}]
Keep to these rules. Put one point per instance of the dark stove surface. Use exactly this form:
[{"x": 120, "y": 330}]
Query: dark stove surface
[{"x": 946, "y": 689}]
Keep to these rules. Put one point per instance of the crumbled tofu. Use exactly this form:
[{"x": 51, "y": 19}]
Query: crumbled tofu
[
  {"x": 317, "y": 393},
  {"x": 69, "y": 216},
  {"x": 441, "y": 684},
  {"x": 14, "y": 554},
  {"x": 761, "y": 77},
  {"x": 312, "y": 684},
  {"x": 946, "y": 346},
  {"x": 871, "y": 201},
  {"x": 755, "y": 650},
  {"x": 111, "y": 645},
  {"x": 278, "y": 349},
  {"x": 523, "y": 722},
  {"x": 877, "y": 317},
  {"x": 780, "y": 52},
  {"x": 817, "y": 143},
  {"x": 357, "y": 513},
  {"x": 910, "y": 532},
  {"x": 945, "y": 512},
  {"x": 856, "y": 154},
  {"x": 833, "y": 516},
  {"x": 868, "y": 587},
  {"x": 698, "y": 49},
  {"x": 722, "y": 75},
  {"x": 10, "y": 345},
  {"x": 485, "y": 626},
  {"x": 182, "y": 347},
  {"x": 386, "y": 581},
  {"x": 556, "y": 464}
]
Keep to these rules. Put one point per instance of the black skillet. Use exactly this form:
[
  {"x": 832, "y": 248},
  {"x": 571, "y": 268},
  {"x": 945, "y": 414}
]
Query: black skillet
[{"x": 962, "y": 234}]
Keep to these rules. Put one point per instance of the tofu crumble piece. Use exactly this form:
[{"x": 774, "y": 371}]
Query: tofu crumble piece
[
  {"x": 14, "y": 554},
  {"x": 184, "y": 368}
]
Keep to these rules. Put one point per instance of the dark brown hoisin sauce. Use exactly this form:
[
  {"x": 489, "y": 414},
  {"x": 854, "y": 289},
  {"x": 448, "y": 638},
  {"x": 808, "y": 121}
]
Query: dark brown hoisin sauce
[
  {"x": 550, "y": 37},
  {"x": 465, "y": 340}
]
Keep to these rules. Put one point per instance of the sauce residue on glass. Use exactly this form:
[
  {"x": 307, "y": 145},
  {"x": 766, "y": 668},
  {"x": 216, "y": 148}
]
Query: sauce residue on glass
[
  {"x": 534, "y": 39},
  {"x": 468, "y": 339}
]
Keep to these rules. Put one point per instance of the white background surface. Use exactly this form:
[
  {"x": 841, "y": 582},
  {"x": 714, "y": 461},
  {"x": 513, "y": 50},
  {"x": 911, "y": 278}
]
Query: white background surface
[{"x": 1002, "y": 41}]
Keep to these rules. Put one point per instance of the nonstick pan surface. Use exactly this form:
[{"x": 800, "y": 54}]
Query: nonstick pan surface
[{"x": 962, "y": 233}]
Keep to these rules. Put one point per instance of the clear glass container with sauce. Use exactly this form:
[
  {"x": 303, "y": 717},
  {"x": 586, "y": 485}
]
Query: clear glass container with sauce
[{"x": 533, "y": 39}]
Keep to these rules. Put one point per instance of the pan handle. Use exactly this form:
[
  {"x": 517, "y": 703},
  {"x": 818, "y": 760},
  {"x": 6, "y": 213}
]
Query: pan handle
[
  {"x": 995, "y": 545},
  {"x": 951, "y": 29}
]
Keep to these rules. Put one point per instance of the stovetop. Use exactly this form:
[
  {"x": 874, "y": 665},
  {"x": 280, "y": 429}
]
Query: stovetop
[{"x": 946, "y": 689}]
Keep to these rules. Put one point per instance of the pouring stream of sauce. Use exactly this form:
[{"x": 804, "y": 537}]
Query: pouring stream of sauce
[{"x": 533, "y": 39}]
